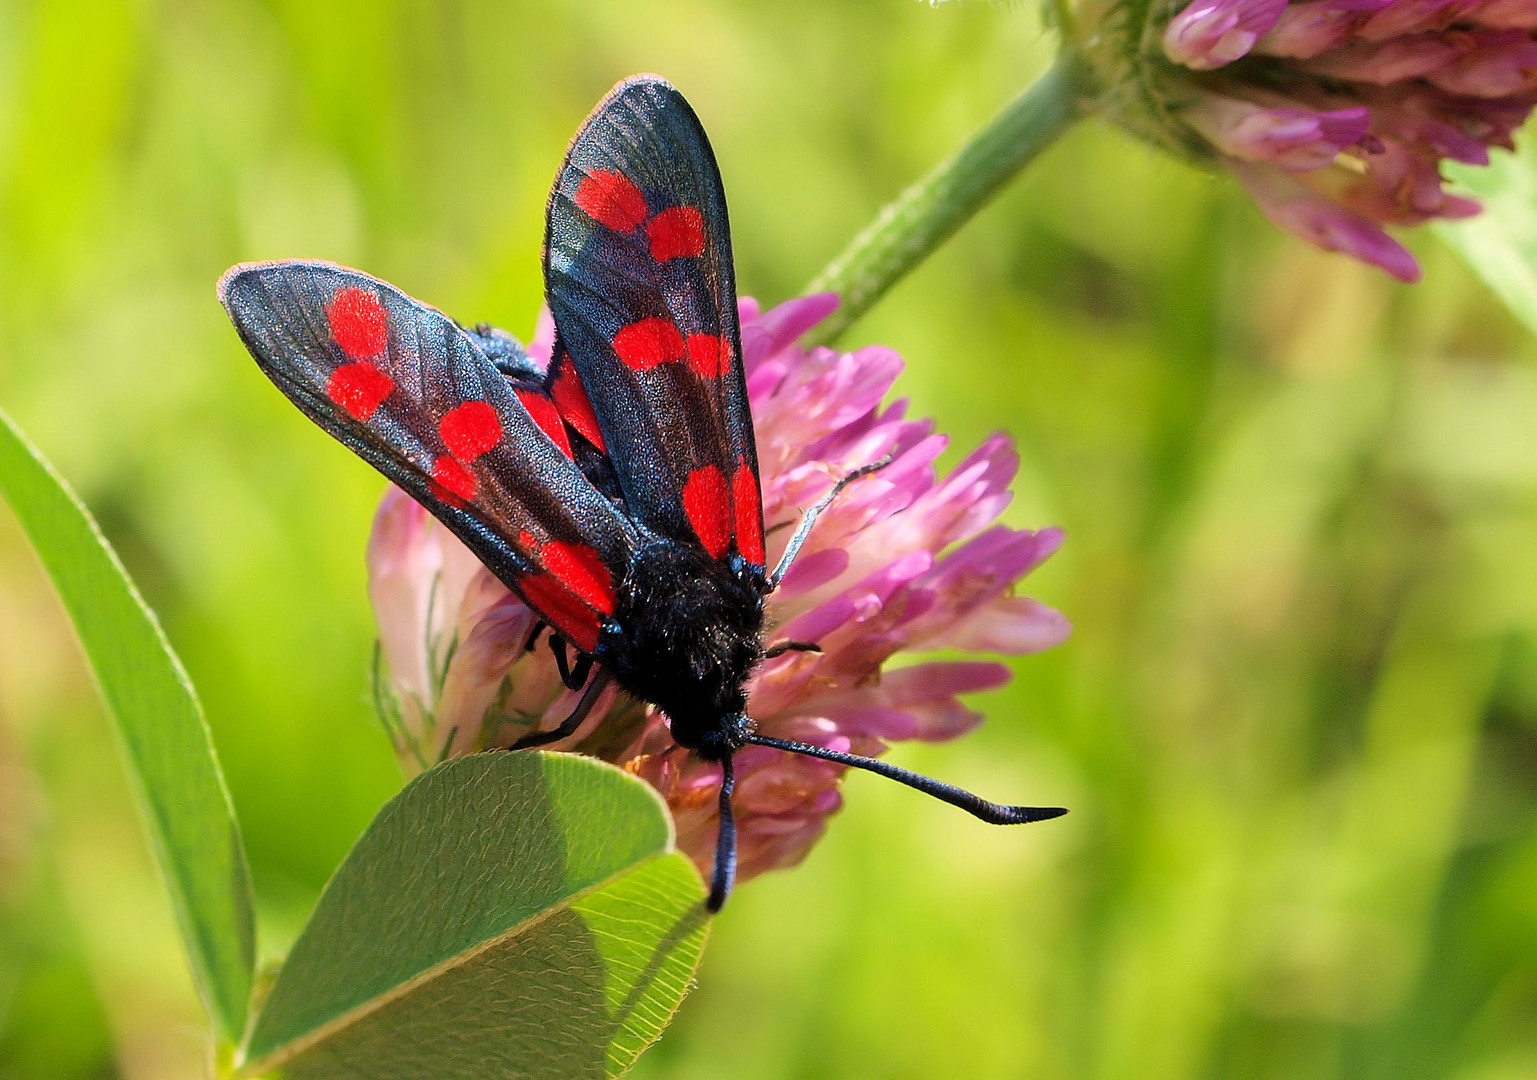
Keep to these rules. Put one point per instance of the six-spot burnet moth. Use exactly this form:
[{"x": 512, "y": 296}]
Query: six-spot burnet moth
[{"x": 616, "y": 490}]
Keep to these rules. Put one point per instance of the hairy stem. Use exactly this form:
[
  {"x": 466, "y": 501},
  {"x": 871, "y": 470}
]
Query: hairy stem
[{"x": 924, "y": 216}]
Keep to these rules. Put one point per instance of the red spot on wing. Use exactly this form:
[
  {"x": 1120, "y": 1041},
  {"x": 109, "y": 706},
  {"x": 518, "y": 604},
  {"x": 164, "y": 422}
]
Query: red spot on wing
[
  {"x": 645, "y": 344},
  {"x": 358, "y": 322},
  {"x": 707, "y": 502},
  {"x": 453, "y": 478},
  {"x": 749, "y": 514},
  {"x": 561, "y": 609},
  {"x": 580, "y": 569},
  {"x": 707, "y": 355},
  {"x": 470, "y": 430},
  {"x": 571, "y": 399},
  {"x": 359, "y": 388},
  {"x": 542, "y": 409},
  {"x": 675, "y": 233},
  {"x": 526, "y": 540},
  {"x": 611, "y": 200}
]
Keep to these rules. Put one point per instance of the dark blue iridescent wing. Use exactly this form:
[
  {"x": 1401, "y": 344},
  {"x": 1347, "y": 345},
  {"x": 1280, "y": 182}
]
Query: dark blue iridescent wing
[
  {"x": 417, "y": 397},
  {"x": 640, "y": 281}
]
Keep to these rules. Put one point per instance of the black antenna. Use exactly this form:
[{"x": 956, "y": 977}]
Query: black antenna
[
  {"x": 990, "y": 812},
  {"x": 793, "y": 548},
  {"x": 725, "y": 841}
]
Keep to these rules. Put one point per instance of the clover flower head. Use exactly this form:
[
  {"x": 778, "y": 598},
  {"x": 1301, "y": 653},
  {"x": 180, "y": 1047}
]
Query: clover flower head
[
  {"x": 1333, "y": 114},
  {"x": 904, "y": 561}
]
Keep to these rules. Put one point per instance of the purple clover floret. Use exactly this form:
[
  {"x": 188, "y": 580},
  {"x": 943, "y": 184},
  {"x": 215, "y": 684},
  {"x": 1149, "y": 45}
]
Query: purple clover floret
[
  {"x": 904, "y": 561},
  {"x": 1336, "y": 114},
  {"x": 1210, "y": 33}
]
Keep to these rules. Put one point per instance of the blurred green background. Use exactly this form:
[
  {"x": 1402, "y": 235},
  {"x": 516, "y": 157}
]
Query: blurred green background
[{"x": 1297, "y": 720}]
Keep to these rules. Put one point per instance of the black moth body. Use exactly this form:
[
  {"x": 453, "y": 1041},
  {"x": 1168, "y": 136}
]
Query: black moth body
[
  {"x": 615, "y": 490},
  {"x": 687, "y": 634}
]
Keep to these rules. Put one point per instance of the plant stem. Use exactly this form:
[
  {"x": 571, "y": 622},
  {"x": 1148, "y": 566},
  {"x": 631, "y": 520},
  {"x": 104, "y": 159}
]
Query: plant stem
[{"x": 924, "y": 216}]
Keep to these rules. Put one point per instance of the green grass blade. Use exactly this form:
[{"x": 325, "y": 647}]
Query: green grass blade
[
  {"x": 506, "y": 914},
  {"x": 159, "y": 723},
  {"x": 1500, "y": 245}
]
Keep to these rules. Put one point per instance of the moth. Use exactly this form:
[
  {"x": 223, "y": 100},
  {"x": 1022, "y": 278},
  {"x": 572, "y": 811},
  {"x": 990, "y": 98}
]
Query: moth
[{"x": 616, "y": 489}]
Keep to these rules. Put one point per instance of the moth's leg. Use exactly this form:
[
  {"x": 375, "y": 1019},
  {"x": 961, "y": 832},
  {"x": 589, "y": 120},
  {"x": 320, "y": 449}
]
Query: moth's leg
[
  {"x": 533, "y": 638},
  {"x": 569, "y": 725},
  {"x": 725, "y": 842},
  {"x": 574, "y": 677},
  {"x": 779, "y": 648},
  {"x": 580, "y": 672},
  {"x": 558, "y": 650}
]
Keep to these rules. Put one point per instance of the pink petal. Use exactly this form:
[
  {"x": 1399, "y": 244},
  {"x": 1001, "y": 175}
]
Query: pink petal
[
  {"x": 815, "y": 398},
  {"x": 542, "y": 346},
  {"x": 1505, "y": 14},
  {"x": 1294, "y": 139},
  {"x": 1390, "y": 62},
  {"x": 780, "y": 326},
  {"x": 939, "y": 721},
  {"x": 402, "y": 563},
  {"x": 764, "y": 378},
  {"x": 1210, "y": 33},
  {"x": 1458, "y": 128},
  {"x": 1413, "y": 16},
  {"x": 876, "y": 721},
  {"x": 988, "y": 564},
  {"x": 1400, "y": 186},
  {"x": 940, "y": 679},
  {"x": 781, "y": 786},
  {"x": 823, "y": 620},
  {"x": 420, "y": 578},
  {"x": 1322, "y": 223},
  {"x": 1012, "y": 625},
  {"x": 875, "y": 591},
  {"x": 1504, "y": 64},
  {"x": 811, "y": 571},
  {"x": 1493, "y": 122},
  {"x": 1306, "y": 30},
  {"x": 962, "y": 504}
]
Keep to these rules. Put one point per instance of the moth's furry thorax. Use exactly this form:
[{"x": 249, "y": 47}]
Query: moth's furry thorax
[{"x": 686, "y": 634}]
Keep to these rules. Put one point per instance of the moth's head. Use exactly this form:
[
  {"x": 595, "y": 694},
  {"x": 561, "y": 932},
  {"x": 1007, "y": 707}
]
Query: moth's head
[{"x": 719, "y": 740}]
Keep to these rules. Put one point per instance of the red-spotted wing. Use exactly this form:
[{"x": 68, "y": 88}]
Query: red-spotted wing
[
  {"x": 640, "y": 281},
  {"x": 417, "y": 397}
]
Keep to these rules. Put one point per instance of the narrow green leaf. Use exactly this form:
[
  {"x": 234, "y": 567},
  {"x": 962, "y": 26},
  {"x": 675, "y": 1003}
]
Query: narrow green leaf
[
  {"x": 514, "y": 914},
  {"x": 159, "y": 724},
  {"x": 1500, "y": 245}
]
